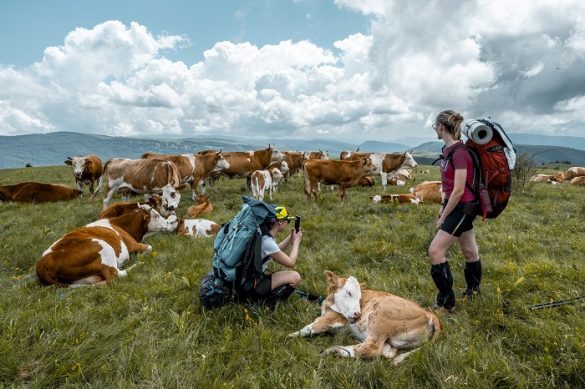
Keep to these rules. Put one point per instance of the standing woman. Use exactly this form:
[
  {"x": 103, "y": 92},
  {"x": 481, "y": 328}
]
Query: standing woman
[{"x": 453, "y": 224}]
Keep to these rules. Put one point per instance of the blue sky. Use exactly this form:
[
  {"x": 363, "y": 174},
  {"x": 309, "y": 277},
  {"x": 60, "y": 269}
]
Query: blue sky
[
  {"x": 350, "y": 70},
  {"x": 28, "y": 27}
]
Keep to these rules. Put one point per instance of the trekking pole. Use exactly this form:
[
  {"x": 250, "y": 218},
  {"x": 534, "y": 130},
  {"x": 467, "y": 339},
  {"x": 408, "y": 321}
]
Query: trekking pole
[
  {"x": 310, "y": 297},
  {"x": 557, "y": 303}
]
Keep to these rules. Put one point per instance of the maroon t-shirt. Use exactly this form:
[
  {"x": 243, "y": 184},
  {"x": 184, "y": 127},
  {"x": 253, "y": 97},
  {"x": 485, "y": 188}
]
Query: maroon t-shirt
[{"x": 460, "y": 159}]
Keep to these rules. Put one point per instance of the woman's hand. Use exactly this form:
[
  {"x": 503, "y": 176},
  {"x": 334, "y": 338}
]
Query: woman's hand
[
  {"x": 440, "y": 221},
  {"x": 296, "y": 236}
]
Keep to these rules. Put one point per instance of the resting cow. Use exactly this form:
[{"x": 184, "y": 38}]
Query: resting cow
[
  {"x": 93, "y": 254},
  {"x": 124, "y": 207},
  {"x": 36, "y": 192},
  {"x": 578, "y": 181},
  {"x": 203, "y": 207},
  {"x": 428, "y": 191},
  {"x": 402, "y": 198},
  {"x": 86, "y": 170},
  {"x": 332, "y": 172},
  {"x": 383, "y": 322},
  {"x": 197, "y": 227},
  {"x": 574, "y": 171},
  {"x": 145, "y": 176}
]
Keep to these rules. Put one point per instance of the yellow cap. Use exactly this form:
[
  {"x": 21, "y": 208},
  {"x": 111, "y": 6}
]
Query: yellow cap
[{"x": 282, "y": 214}]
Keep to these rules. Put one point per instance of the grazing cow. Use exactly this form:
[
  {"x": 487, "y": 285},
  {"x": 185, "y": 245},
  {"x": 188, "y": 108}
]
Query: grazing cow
[
  {"x": 195, "y": 168},
  {"x": 36, "y": 192},
  {"x": 428, "y": 191},
  {"x": 197, "y": 227},
  {"x": 203, "y": 207},
  {"x": 574, "y": 172},
  {"x": 86, "y": 170},
  {"x": 578, "y": 181},
  {"x": 383, "y": 322},
  {"x": 244, "y": 163},
  {"x": 294, "y": 160},
  {"x": 265, "y": 179},
  {"x": 386, "y": 163},
  {"x": 332, "y": 172},
  {"x": 122, "y": 208},
  {"x": 93, "y": 254},
  {"x": 403, "y": 198},
  {"x": 145, "y": 176}
]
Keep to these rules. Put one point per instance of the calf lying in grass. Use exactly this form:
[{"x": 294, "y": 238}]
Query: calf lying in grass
[{"x": 383, "y": 322}]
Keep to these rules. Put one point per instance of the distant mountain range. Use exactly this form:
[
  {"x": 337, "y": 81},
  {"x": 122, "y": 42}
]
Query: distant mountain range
[{"x": 54, "y": 148}]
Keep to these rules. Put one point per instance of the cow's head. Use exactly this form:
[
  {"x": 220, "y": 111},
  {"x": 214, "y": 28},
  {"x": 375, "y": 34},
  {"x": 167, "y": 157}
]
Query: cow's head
[
  {"x": 323, "y": 154},
  {"x": 284, "y": 169},
  {"x": 276, "y": 174},
  {"x": 170, "y": 200},
  {"x": 369, "y": 167},
  {"x": 275, "y": 154},
  {"x": 408, "y": 160},
  {"x": 220, "y": 162},
  {"x": 344, "y": 295},
  {"x": 80, "y": 164},
  {"x": 156, "y": 222}
]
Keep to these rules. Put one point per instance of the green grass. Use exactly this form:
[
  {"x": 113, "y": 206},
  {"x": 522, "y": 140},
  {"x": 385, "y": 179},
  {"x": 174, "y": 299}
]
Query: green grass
[{"x": 148, "y": 329}]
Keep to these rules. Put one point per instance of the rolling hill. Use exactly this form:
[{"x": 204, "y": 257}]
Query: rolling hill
[{"x": 54, "y": 148}]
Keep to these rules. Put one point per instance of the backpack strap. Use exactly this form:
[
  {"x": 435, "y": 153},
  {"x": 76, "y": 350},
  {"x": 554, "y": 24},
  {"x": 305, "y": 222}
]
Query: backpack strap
[{"x": 476, "y": 165}]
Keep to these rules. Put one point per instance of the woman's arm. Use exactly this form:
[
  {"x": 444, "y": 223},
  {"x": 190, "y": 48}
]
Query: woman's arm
[
  {"x": 458, "y": 190},
  {"x": 291, "y": 259}
]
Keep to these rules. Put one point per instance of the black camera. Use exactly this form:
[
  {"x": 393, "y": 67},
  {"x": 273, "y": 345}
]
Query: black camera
[{"x": 297, "y": 223}]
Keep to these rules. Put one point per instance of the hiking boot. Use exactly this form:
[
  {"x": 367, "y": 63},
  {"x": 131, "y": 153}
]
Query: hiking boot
[{"x": 470, "y": 294}]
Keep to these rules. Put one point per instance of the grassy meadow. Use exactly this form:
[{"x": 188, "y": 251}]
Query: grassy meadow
[{"x": 148, "y": 330}]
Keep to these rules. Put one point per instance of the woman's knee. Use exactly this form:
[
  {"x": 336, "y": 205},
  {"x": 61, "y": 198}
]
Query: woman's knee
[{"x": 295, "y": 279}]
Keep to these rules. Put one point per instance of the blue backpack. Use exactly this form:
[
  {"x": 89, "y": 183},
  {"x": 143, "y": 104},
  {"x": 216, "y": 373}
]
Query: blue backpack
[{"x": 237, "y": 245}]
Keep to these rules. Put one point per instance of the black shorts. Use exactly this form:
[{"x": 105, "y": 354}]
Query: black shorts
[
  {"x": 456, "y": 223},
  {"x": 261, "y": 288}
]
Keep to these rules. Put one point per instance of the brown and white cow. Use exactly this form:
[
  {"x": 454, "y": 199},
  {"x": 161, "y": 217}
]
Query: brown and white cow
[
  {"x": 578, "y": 181},
  {"x": 386, "y": 163},
  {"x": 263, "y": 180},
  {"x": 401, "y": 198},
  {"x": 203, "y": 207},
  {"x": 143, "y": 176},
  {"x": 194, "y": 168},
  {"x": 124, "y": 207},
  {"x": 244, "y": 163},
  {"x": 428, "y": 191},
  {"x": 86, "y": 170},
  {"x": 366, "y": 181},
  {"x": 37, "y": 192},
  {"x": 398, "y": 177},
  {"x": 197, "y": 227},
  {"x": 333, "y": 172},
  {"x": 574, "y": 171},
  {"x": 384, "y": 323},
  {"x": 94, "y": 254},
  {"x": 294, "y": 160},
  {"x": 315, "y": 155}
]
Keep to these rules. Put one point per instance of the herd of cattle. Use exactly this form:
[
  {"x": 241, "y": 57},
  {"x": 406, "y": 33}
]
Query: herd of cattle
[{"x": 95, "y": 253}]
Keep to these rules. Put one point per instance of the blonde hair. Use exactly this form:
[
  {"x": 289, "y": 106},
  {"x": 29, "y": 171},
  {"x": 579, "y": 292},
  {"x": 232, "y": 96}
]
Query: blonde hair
[{"x": 451, "y": 120}]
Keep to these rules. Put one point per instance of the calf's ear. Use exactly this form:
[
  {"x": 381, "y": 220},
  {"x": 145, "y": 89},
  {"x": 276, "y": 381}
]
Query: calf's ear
[
  {"x": 332, "y": 278},
  {"x": 68, "y": 161}
]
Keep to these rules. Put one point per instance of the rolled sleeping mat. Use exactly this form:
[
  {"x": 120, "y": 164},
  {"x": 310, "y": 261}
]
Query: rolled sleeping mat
[{"x": 477, "y": 131}]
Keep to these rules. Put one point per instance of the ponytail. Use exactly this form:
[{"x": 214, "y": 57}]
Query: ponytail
[{"x": 452, "y": 121}]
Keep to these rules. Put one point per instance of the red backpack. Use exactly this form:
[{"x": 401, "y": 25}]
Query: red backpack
[{"x": 493, "y": 158}]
